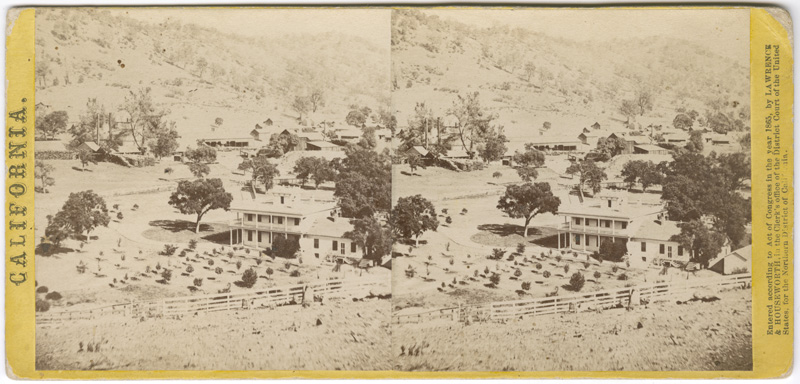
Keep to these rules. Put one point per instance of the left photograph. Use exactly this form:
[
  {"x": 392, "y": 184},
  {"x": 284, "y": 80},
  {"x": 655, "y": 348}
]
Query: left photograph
[{"x": 213, "y": 189}]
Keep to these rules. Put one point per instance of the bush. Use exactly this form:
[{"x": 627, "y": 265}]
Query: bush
[
  {"x": 558, "y": 258},
  {"x": 495, "y": 279},
  {"x": 613, "y": 250},
  {"x": 198, "y": 282},
  {"x": 249, "y": 278},
  {"x": 120, "y": 216},
  {"x": 269, "y": 272},
  {"x": 622, "y": 277},
  {"x": 518, "y": 273},
  {"x": 546, "y": 274},
  {"x": 486, "y": 271},
  {"x": 166, "y": 274},
  {"x": 42, "y": 305},
  {"x": 740, "y": 270},
  {"x": 295, "y": 273},
  {"x": 526, "y": 285},
  {"x": 597, "y": 275},
  {"x": 464, "y": 211},
  {"x": 497, "y": 175},
  {"x": 259, "y": 261},
  {"x": 521, "y": 248},
  {"x": 238, "y": 264},
  {"x": 448, "y": 220},
  {"x": 497, "y": 254},
  {"x": 218, "y": 270},
  {"x": 42, "y": 289},
  {"x": 614, "y": 269},
  {"x": 538, "y": 265},
  {"x": 566, "y": 269},
  {"x": 210, "y": 263},
  {"x": 53, "y": 296},
  {"x": 158, "y": 266},
  {"x": 576, "y": 281},
  {"x": 169, "y": 249},
  {"x": 193, "y": 244},
  {"x": 189, "y": 269}
]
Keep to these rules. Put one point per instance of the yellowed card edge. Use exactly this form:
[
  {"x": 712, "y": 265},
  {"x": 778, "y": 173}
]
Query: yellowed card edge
[{"x": 772, "y": 356}]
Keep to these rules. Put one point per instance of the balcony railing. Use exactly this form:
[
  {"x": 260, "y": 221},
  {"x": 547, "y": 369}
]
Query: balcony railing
[
  {"x": 593, "y": 230},
  {"x": 285, "y": 227}
]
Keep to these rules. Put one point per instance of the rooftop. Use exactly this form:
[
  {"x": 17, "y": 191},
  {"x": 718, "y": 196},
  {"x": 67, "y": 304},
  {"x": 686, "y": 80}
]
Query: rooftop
[
  {"x": 597, "y": 208},
  {"x": 296, "y": 202},
  {"x": 325, "y": 226},
  {"x": 657, "y": 230}
]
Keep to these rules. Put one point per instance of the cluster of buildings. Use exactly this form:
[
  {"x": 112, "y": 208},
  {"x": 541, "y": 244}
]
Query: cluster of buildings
[{"x": 644, "y": 229}]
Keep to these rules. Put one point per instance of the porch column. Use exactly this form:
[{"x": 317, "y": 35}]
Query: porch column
[
  {"x": 230, "y": 236},
  {"x": 559, "y": 240}
]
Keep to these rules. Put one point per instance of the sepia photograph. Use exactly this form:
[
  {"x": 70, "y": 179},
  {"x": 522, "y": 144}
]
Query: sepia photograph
[
  {"x": 571, "y": 190},
  {"x": 213, "y": 189}
]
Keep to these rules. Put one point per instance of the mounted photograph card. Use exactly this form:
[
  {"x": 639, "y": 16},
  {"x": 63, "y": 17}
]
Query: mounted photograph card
[{"x": 399, "y": 192}]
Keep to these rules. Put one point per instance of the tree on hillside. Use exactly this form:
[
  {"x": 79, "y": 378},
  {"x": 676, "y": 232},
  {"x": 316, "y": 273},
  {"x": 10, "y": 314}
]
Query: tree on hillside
[
  {"x": 644, "y": 172},
  {"x": 474, "y": 124},
  {"x": 644, "y": 100},
  {"x": 736, "y": 169},
  {"x": 363, "y": 183},
  {"x": 628, "y": 109},
  {"x": 197, "y": 197},
  {"x": 42, "y": 70},
  {"x": 316, "y": 100},
  {"x": 682, "y": 121},
  {"x": 527, "y": 200},
  {"x": 201, "y": 64},
  {"x": 387, "y": 119},
  {"x": 264, "y": 172},
  {"x": 315, "y": 168},
  {"x": 357, "y": 116},
  {"x": 529, "y": 69},
  {"x": 91, "y": 120},
  {"x": 166, "y": 142},
  {"x": 589, "y": 175},
  {"x": 704, "y": 243},
  {"x": 199, "y": 170},
  {"x": 695, "y": 143},
  {"x": 612, "y": 250},
  {"x": 142, "y": 113},
  {"x": 283, "y": 141},
  {"x": 611, "y": 146},
  {"x": 81, "y": 214},
  {"x": 203, "y": 154},
  {"x": 52, "y": 124},
  {"x": 42, "y": 171},
  {"x": 412, "y": 216},
  {"x": 301, "y": 105},
  {"x": 493, "y": 147},
  {"x": 374, "y": 239},
  {"x": 368, "y": 139},
  {"x": 526, "y": 162}
]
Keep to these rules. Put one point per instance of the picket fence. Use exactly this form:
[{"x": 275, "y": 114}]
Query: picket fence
[
  {"x": 610, "y": 298},
  {"x": 189, "y": 305}
]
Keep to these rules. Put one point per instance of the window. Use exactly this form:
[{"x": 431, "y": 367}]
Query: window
[
  {"x": 250, "y": 217},
  {"x": 263, "y": 218},
  {"x": 249, "y": 235},
  {"x": 335, "y": 245},
  {"x": 607, "y": 223},
  {"x": 259, "y": 236},
  {"x": 609, "y": 203},
  {"x": 644, "y": 258},
  {"x": 577, "y": 239},
  {"x": 680, "y": 251},
  {"x": 669, "y": 252},
  {"x": 661, "y": 249},
  {"x": 577, "y": 221},
  {"x": 296, "y": 221},
  {"x": 280, "y": 219},
  {"x": 352, "y": 247},
  {"x": 624, "y": 225},
  {"x": 644, "y": 246},
  {"x": 316, "y": 243}
]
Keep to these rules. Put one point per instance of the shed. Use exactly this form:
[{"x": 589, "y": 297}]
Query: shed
[
  {"x": 650, "y": 149},
  {"x": 737, "y": 261}
]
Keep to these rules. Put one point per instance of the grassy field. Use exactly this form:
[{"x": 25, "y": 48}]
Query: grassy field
[{"x": 695, "y": 336}]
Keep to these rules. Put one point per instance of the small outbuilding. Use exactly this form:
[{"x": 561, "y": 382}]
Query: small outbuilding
[{"x": 738, "y": 261}]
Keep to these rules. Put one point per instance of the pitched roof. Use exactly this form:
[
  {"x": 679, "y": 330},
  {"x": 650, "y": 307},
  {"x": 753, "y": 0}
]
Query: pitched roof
[
  {"x": 650, "y": 147},
  {"x": 324, "y": 226},
  {"x": 655, "y": 230},
  {"x": 91, "y": 145},
  {"x": 322, "y": 144},
  {"x": 744, "y": 253},
  {"x": 420, "y": 150}
]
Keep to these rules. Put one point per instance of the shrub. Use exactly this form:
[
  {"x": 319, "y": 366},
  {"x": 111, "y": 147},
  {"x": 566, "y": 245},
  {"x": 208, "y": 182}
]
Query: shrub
[
  {"x": 558, "y": 258},
  {"x": 576, "y": 281},
  {"x": 169, "y": 249},
  {"x": 566, "y": 269},
  {"x": 135, "y": 207},
  {"x": 452, "y": 261},
  {"x": 249, "y": 278},
  {"x": 210, "y": 263},
  {"x": 538, "y": 265},
  {"x": 198, "y": 282},
  {"x": 518, "y": 273},
  {"x": 740, "y": 270},
  {"x": 586, "y": 265},
  {"x": 295, "y": 273},
  {"x": 238, "y": 264},
  {"x": 622, "y": 277},
  {"x": 166, "y": 274},
  {"x": 464, "y": 211},
  {"x": 218, "y": 270},
  {"x": 42, "y": 305},
  {"x": 443, "y": 284},
  {"x": 410, "y": 272},
  {"x": 259, "y": 261},
  {"x": 495, "y": 279},
  {"x": 521, "y": 248},
  {"x": 53, "y": 296},
  {"x": 546, "y": 274},
  {"x": 448, "y": 220},
  {"x": 158, "y": 266},
  {"x": 597, "y": 275},
  {"x": 613, "y": 250},
  {"x": 42, "y": 289},
  {"x": 497, "y": 175},
  {"x": 444, "y": 211},
  {"x": 287, "y": 266},
  {"x": 189, "y": 269},
  {"x": 497, "y": 254},
  {"x": 510, "y": 257},
  {"x": 614, "y": 269},
  {"x": 486, "y": 271},
  {"x": 269, "y": 272},
  {"x": 193, "y": 244},
  {"x": 119, "y": 216},
  {"x": 526, "y": 285}
]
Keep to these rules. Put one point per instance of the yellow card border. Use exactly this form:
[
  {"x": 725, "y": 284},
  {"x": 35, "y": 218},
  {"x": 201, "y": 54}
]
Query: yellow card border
[{"x": 772, "y": 355}]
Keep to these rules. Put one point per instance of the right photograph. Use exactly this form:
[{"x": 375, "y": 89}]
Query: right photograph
[{"x": 571, "y": 190}]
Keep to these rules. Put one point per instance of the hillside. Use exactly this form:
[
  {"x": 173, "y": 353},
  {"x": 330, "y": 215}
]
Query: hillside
[
  {"x": 198, "y": 73},
  {"x": 527, "y": 77}
]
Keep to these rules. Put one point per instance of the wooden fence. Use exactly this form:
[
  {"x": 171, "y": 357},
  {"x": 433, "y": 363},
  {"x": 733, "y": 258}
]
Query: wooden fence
[
  {"x": 604, "y": 299},
  {"x": 189, "y": 305}
]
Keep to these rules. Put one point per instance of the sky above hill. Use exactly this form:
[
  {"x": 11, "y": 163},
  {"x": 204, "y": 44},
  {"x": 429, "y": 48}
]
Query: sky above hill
[
  {"x": 370, "y": 24},
  {"x": 724, "y": 32}
]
